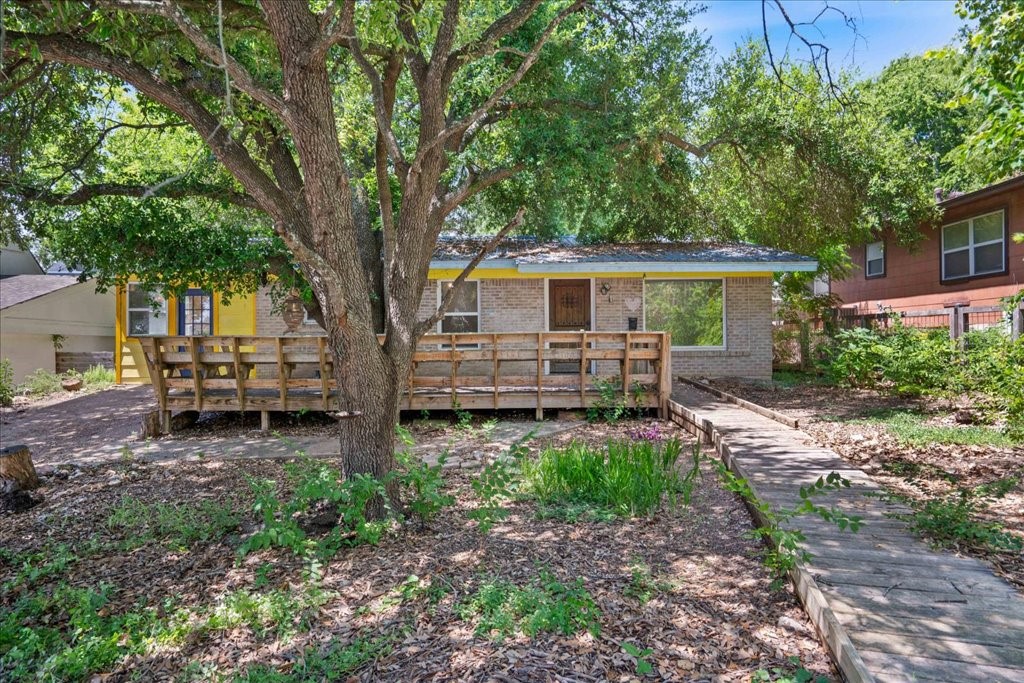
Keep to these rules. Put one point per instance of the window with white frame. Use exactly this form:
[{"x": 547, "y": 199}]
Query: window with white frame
[
  {"x": 464, "y": 313},
  {"x": 874, "y": 259},
  {"x": 692, "y": 310},
  {"x": 976, "y": 246},
  {"x": 146, "y": 313}
]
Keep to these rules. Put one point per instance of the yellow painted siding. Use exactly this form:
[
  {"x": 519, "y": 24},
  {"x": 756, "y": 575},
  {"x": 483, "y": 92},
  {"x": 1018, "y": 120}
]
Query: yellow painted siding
[{"x": 235, "y": 318}]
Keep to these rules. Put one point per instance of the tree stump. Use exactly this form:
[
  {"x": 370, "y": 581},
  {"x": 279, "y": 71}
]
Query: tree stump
[{"x": 17, "y": 477}]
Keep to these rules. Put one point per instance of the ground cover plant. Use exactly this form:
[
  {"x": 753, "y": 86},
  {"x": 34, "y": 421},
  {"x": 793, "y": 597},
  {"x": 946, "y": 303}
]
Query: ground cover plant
[
  {"x": 41, "y": 383},
  {"x": 99, "y": 580}
]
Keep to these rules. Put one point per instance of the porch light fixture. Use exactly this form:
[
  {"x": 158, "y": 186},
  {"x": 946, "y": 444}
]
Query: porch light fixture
[
  {"x": 605, "y": 288},
  {"x": 292, "y": 311}
]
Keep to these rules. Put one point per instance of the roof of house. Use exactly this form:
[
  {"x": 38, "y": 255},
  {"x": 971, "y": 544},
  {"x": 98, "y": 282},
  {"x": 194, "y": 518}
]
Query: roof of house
[
  {"x": 528, "y": 254},
  {"x": 18, "y": 289},
  {"x": 963, "y": 198}
]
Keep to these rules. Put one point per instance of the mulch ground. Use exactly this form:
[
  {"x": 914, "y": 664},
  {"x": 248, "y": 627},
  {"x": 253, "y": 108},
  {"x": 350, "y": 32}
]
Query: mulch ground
[
  {"x": 714, "y": 619},
  {"x": 916, "y": 472}
]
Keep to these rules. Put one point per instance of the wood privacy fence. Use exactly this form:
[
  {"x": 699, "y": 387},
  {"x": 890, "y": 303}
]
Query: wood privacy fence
[
  {"x": 83, "y": 360},
  {"x": 465, "y": 371}
]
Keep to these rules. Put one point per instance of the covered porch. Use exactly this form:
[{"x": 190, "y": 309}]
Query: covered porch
[{"x": 468, "y": 371}]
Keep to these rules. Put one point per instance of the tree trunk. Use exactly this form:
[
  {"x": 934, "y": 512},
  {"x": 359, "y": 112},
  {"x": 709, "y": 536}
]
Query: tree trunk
[
  {"x": 16, "y": 465},
  {"x": 17, "y": 477},
  {"x": 370, "y": 383}
]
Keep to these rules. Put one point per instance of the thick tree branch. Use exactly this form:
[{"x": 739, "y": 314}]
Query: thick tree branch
[
  {"x": 383, "y": 119},
  {"x": 240, "y": 76},
  {"x": 474, "y": 184},
  {"x": 503, "y": 26},
  {"x": 425, "y": 326},
  {"x": 86, "y": 193},
  {"x": 495, "y": 97}
]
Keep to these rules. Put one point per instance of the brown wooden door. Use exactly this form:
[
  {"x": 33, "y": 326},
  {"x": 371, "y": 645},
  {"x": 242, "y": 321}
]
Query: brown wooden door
[{"x": 568, "y": 311}]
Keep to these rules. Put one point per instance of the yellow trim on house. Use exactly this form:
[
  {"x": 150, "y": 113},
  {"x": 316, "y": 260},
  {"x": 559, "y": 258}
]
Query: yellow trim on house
[{"x": 514, "y": 274}]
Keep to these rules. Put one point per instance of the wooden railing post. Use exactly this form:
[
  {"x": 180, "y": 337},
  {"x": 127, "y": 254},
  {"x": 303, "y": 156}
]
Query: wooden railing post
[
  {"x": 540, "y": 376},
  {"x": 626, "y": 370},
  {"x": 665, "y": 377},
  {"x": 455, "y": 371},
  {"x": 583, "y": 370},
  {"x": 236, "y": 358},
  {"x": 197, "y": 382},
  {"x": 496, "y": 368},
  {"x": 154, "y": 359}
]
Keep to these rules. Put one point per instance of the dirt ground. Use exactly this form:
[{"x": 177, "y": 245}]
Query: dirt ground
[
  {"x": 712, "y": 618},
  {"x": 917, "y": 472}
]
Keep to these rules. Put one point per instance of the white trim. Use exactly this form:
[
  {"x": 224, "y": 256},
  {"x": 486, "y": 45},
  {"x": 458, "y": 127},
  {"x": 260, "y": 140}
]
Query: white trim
[
  {"x": 636, "y": 266},
  {"x": 547, "y": 314},
  {"x": 971, "y": 246},
  {"x": 165, "y": 310},
  {"x": 725, "y": 313},
  {"x": 479, "y": 317}
]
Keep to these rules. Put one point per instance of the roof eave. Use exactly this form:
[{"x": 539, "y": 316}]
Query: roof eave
[{"x": 637, "y": 266}]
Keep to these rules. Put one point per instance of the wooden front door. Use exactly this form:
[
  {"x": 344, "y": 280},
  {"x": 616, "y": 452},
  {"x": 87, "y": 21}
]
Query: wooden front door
[{"x": 568, "y": 311}]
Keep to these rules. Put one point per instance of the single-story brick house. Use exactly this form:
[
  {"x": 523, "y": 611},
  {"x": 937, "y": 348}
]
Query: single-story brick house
[{"x": 715, "y": 299}]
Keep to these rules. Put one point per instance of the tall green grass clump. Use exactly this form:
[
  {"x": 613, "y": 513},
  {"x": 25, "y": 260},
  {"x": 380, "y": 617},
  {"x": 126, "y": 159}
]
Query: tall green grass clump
[
  {"x": 626, "y": 478},
  {"x": 98, "y": 377}
]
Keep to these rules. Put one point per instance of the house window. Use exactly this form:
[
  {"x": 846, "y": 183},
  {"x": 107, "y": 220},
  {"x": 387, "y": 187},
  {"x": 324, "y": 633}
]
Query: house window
[
  {"x": 464, "y": 313},
  {"x": 976, "y": 246},
  {"x": 874, "y": 259},
  {"x": 147, "y": 312},
  {"x": 692, "y": 310}
]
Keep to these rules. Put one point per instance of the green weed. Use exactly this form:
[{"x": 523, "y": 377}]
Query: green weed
[
  {"x": 336, "y": 662},
  {"x": 6, "y": 382},
  {"x": 176, "y": 525},
  {"x": 642, "y": 586},
  {"x": 953, "y": 520},
  {"x": 795, "y": 673},
  {"x": 40, "y": 383},
  {"x": 502, "y": 609},
  {"x": 643, "y": 667},
  {"x": 98, "y": 377},
  {"x": 627, "y": 478}
]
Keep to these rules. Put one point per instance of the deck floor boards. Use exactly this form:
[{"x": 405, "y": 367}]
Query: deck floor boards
[{"x": 911, "y": 611}]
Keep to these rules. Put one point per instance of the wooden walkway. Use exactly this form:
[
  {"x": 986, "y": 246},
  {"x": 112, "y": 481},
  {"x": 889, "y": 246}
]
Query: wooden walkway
[{"x": 889, "y": 607}]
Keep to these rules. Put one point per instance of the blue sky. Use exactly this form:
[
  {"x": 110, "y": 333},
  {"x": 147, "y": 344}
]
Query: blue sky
[{"x": 887, "y": 28}]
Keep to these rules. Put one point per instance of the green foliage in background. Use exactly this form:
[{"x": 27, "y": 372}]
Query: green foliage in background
[
  {"x": 6, "y": 382},
  {"x": 909, "y": 361}
]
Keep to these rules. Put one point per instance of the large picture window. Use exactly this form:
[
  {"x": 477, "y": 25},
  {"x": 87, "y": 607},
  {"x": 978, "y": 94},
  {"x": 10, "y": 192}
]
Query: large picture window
[
  {"x": 692, "y": 310},
  {"x": 976, "y": 246},
  {"x": 146, "y": 312}
]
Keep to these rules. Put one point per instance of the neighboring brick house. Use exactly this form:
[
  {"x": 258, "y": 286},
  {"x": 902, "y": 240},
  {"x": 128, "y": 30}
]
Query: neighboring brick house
[
  {"x": 968, "y": 260},
  {"x": 714, "y": 298}
]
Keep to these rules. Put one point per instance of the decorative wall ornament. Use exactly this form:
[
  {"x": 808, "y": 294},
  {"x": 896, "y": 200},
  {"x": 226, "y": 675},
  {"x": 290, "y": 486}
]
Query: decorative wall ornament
[{"x": 632, "y": 303}]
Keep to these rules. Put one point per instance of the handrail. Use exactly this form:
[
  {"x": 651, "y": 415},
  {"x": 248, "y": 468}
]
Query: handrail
[{"x": 467, "y": 370}]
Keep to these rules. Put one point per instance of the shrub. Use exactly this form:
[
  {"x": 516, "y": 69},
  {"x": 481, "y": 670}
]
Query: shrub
[
  {"x": 98, "y": 377},
  {"x": 40, "y": 383},
  {"x": 6, "y": 382},
  {"x": 628, "y": 478}
]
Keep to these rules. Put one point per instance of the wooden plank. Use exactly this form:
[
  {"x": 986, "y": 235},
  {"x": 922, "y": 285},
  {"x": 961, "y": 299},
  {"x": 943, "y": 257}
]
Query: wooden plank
[
  {"x": 781, "y": 418},
  {"x": 540, "y": 376},
  {"x": 156, "y": 370},
  {"x": 282, "y": 379},
  {"x": 626, "y": 369},
  {"x": 583, "y": 369},
  {"x": 496, "y": 367},
  {"x": 324, "y": 377},
  {"x": 454, "y": 370},
  {"x": 196, "y": 379},
  {"x": 665, "y": 384},
  {"x": 236, "y": 357}
]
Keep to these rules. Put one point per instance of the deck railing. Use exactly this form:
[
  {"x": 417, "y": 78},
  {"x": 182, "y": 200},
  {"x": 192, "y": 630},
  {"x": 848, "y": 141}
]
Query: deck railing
[{"x": 538, "y": 370}]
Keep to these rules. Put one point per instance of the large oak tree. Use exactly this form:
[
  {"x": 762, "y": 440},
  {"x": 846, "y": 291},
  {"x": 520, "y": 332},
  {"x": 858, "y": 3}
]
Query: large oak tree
[{"x": 158, "y": 137}]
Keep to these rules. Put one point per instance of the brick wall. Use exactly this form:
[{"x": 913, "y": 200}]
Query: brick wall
[
  {"x": 748, "y": 352},
  {"x": 269, "y": 322},
  {"x": 509, "y": 305}
]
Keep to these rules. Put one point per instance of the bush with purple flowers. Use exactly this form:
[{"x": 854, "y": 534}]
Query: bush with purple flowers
[{"x": 651, "y": 432}]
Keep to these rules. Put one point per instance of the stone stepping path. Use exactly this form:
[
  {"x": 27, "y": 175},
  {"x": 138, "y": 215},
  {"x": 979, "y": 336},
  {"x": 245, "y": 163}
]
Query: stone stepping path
[{"x": 890, "y": 607}]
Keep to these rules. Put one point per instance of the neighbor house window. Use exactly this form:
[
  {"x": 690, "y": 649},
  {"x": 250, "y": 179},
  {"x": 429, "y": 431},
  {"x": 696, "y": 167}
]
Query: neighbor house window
[
  {"x": 874, "y": 259},
  {"x": 147, "y": 312},
  {"x": 976, "y": 246},
  {"x": 692, "y": 310},
  {"x": 464, "y": 313}
]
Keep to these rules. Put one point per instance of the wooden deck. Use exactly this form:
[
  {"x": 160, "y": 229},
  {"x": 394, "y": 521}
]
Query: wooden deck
[
  {"x": 889, "y": 607},
  {"x": 465, "y": 371}
]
